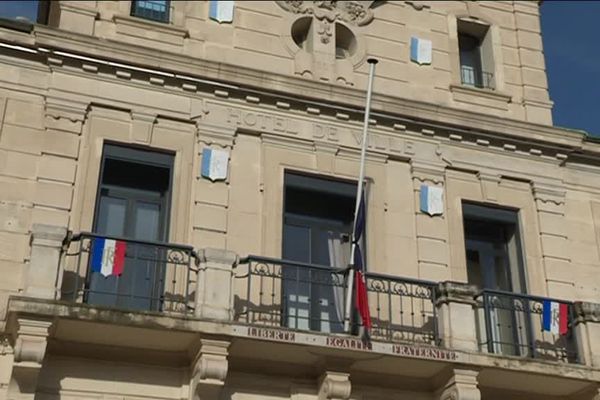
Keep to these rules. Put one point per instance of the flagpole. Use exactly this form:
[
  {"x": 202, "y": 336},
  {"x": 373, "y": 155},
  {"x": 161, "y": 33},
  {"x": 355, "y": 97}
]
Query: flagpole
[{"x": 359, "y": 188}]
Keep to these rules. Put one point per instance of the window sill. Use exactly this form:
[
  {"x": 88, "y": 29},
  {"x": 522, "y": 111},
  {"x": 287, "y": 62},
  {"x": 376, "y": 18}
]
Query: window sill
[
  {"x": 151, "y": 30},
  {"x": 482, "y": 97}
]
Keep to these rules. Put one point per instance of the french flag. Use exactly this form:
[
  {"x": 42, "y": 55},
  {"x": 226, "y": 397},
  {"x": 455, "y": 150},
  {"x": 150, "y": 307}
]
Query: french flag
[
  {"x": 362, "y": 299},
  {"x": 555, "y": 317},
  {"x": 108, "y": 256}
]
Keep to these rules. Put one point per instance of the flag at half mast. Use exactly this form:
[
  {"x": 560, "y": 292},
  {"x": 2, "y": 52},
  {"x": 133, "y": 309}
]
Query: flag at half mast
[{"x": 361, "y": 299}]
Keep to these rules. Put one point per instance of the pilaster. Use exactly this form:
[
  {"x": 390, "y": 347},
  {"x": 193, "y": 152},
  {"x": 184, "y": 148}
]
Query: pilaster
[
  {"x": 456, "y": 315},
  {"x": 42, "y": 278},
  {"x": 431, "y": 230},
  {"x": 214, "y": 294},
  {"x": 30, "y": 338},
  {"x": 209, "y": 370},
  {"x": 462, "y": 385},
  {"x": 550, "y": 204}
]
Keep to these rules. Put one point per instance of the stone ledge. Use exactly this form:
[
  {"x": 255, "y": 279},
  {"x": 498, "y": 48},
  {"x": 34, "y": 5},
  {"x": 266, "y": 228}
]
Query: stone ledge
[
  {"x": 187, "y": 324},
  {"x": 132, "y": 26},
  {"x": 480, "y": 97}
]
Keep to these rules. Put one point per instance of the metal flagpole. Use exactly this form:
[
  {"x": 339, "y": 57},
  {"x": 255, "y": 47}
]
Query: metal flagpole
[{"x": 359, "y": 189}]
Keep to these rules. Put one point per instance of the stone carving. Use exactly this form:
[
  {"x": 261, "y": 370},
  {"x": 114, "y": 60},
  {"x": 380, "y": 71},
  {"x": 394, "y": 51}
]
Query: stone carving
[
  {"x": 31, "y": 340},
  {"x": 5, "y": 347},
  {"x": 417, "y": 5},
  {"x": 587, "y": 312},
  {"x": 210, "y": 369},
  {"x": 324, "y": 31},
  {"x": 335, "y": 385},
  {"x": 353, "y": 12}
]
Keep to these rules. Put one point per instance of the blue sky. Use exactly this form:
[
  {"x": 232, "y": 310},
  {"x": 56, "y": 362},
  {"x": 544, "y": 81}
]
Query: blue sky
[{"x": 571, "y": 32}]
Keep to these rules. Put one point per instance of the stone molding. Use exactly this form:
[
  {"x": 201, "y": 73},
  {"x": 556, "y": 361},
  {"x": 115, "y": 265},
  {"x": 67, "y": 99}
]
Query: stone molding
[
  {"x": 549, "y": 193},
  {"x": 31, "y": 339},
  {"x": 48, "y": 235},
  {"x": 123, "y": 51},
  {"x": 587, "y": 312},
  {"x": 209, "y": 369},
  {"x": 335, "y": 385},
  {"x": 424, "y": 171},
  {"x": 218, "y": 256},
  {"x": 456, "y": 292},
  {"x": 461, "y": 386}
]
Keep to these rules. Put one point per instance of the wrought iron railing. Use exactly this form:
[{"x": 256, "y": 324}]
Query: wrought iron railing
[
  {"x": 402, "y": 309},
  {"x": 152, "y": 276},
  {"x": 308, "y": 297},
  {"x": 512, "y": 324},
  {"x": 477, "y": 78}
]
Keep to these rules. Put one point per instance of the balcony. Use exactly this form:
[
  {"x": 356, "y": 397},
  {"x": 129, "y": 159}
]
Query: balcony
[
  {"x": 285, "y": 299},
  {"x": 153, "y": 276},
  {"x": 514, "y": 326},
  {"x": 306, "y": 297}
]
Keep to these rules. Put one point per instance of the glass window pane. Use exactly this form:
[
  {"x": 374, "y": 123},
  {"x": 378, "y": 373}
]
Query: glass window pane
[
  {"x": 157, "y": 10},
  {"x": 20, "y": 10},
  {"x": 147, "y": 219},
  {"x": 111, "y": 216}
]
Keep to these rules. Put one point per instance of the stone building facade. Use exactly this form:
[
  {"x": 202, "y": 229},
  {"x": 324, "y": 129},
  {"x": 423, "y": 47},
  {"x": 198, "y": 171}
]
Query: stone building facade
[{"x": 177, "y": 189}]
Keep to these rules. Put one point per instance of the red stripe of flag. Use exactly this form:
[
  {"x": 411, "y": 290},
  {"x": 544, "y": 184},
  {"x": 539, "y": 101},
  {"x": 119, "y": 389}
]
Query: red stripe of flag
[
  {"x": 119, "y": 261},
  {"x": 563, "y": 319},
  {"x": 362, "y": 302}
]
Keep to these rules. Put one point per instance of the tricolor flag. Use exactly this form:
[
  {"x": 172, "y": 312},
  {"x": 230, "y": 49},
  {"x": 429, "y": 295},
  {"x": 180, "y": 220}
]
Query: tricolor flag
[
  {"x": 362, "y": 300},
  {"x": 108, "y": 256},
  {"x": 555, "y": 317}
]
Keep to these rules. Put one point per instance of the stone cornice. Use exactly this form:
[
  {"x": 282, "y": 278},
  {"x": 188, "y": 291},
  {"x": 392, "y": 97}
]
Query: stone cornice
[{"x": 274, "y": 85}]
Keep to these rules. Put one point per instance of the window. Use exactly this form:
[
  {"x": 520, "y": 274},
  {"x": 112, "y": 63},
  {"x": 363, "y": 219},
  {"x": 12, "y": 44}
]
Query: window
[
  {"x": 493, "y": 248},
  {"x": 494, "y": 263},
  {"x": 132, "y": 204},
  {"x": 318, "y": 216},
  {"x": 155, "y": 10},
  {"x": 475, "y": 53},
  {"x": 29, "y": 12}
]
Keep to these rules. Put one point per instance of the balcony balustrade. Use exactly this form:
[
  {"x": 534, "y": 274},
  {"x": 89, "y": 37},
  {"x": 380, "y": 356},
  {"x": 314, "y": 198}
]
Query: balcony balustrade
[
  {"x": 152, "y": 276},
  {"x": 473, "y": 77},
  {"x": 514, "y": 326},
  {"x": 299, "y": 296},
  {"x": 284, "y": 294}
]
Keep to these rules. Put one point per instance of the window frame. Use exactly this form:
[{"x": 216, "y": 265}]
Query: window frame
[{"x": 135, "y": 12}]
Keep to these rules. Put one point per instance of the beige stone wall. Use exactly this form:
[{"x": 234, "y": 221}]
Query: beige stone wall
[
  {"x": 260, "y": 38},
  {"x": 51, "y": 141}
]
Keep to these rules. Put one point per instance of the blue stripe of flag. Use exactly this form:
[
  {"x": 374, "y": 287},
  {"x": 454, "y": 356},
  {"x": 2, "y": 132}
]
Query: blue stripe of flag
[
  {"x": 97, "y": 251},
  {"x": 547, "y": 315}
]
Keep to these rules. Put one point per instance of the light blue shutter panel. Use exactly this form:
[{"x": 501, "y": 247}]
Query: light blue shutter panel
[
  {"x": 221, "y": 10},
  {"x": 414, "y": 49}
]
